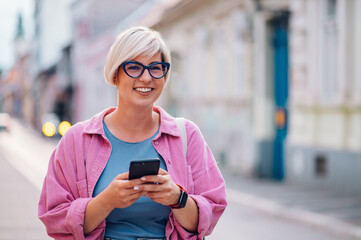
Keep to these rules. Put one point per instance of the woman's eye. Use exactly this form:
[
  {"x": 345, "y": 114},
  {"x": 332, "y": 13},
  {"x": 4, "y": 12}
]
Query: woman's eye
[
  {"x": 155, "y": 68},
  {"x": 133, "y": 67}
]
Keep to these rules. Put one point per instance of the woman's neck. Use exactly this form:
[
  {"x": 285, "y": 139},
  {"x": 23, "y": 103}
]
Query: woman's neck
[{"x": 133, "y": 125}]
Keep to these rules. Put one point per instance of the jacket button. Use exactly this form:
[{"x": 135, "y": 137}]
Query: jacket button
[{"x": 156, "y": 143}]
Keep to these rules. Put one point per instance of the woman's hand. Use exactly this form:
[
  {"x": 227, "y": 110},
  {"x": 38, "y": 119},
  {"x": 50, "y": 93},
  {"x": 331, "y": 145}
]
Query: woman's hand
[
  {"x": 160, "y": 188},
  {"x": 163, "y": 190},
  {"x": 120, "y": 193}
]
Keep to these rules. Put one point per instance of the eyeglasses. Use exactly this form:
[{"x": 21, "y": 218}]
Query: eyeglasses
[{"x": 135, "y": 69}]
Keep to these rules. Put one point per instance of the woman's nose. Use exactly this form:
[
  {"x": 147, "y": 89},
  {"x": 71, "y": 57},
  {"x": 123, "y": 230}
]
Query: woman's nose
[{"x": 145, "y": 77}]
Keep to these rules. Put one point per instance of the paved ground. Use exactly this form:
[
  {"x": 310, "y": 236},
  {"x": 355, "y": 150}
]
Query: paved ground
[
  {"x": 19, "y": 198},
  {"x": 320, "y": 208},
  {"x": 247, "y": 223}
]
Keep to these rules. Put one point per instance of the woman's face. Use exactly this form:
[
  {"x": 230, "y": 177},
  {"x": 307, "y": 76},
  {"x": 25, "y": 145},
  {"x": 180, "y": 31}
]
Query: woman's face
[{"x": 142, "y": 91}]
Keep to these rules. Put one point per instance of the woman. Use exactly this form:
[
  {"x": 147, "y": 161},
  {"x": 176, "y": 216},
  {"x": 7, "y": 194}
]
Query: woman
[{"x": 86, "y": 192}]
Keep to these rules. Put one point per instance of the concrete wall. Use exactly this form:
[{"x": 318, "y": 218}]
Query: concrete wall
[
  {"x": 211, "y": 81},
  {"x": 325, "y": 112},
  {"x": 338, "y": 169}
]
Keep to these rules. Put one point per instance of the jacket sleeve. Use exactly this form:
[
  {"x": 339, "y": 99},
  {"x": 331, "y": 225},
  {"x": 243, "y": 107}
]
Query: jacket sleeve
[
  {"x": 208, "y": 184},
  {"x": 64, "y": 195}
]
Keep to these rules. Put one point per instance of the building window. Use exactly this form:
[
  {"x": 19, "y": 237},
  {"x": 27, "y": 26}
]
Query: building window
[
  {"x": 222, "y": 69},
  {"x": 321, "y": 166},
  {"x": 330, "y": 86},
  {"x": 331, "y": 8},
  {"x": 357, "y": 52},
  {"x": 239, "y": 45}
]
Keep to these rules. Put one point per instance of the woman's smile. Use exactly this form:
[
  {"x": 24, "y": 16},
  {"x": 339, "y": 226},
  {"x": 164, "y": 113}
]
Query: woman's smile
[{"x": 143, "y": 89}]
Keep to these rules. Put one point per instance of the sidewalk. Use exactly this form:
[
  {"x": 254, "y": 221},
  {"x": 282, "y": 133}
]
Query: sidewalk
[
  {"x": 18, "y": 206},
  {"x": 326, "y": 209}
]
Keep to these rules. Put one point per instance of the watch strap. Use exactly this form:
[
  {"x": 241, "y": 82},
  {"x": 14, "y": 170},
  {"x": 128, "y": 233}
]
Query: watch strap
[{"x": 182, "y": 201}]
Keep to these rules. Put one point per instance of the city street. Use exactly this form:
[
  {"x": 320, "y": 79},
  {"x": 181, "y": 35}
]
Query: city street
[
  {"x": 24, "y": 154},
  {"x": 273, "y": 86}
]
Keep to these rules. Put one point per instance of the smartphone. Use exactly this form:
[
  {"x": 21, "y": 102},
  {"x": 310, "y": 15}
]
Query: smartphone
[{"x": 140, "y": 168}]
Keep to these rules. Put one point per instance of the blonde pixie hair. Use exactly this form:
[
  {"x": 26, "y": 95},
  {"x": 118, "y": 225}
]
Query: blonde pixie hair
[{"x": 130, "y": 44}]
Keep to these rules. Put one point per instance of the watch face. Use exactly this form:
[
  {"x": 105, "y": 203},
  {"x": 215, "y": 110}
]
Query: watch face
[{"x": 183, "y": 199}]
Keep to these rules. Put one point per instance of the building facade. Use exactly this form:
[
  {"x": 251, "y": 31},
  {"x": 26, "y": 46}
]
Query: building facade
[
  {"x": 221, "y": 77},
  {"x": 324, "y": 143},
  {"x": 274, "y": 85}
]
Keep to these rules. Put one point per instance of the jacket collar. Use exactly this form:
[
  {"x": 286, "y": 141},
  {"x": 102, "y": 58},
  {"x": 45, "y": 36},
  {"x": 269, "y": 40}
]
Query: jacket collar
[
  {"x": 95, "y": 124},
  {"x": 167, "y": 123}
]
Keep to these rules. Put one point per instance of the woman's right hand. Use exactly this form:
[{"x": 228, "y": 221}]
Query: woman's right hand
[{"x": 120, "y": 193}]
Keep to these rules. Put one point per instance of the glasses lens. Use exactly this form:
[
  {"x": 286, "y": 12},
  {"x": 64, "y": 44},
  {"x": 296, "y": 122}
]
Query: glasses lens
[
  {"x": 158, "y": 70},
  {"x": 133, "y": 69}
]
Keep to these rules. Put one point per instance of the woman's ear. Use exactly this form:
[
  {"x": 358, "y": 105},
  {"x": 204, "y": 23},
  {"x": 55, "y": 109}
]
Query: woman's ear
[{"x": 115, "y": 78}]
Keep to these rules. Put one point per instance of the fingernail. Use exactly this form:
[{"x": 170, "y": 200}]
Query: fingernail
[
  {"x": 136, "y": 188},
  {"x": 142, "y": 178}
]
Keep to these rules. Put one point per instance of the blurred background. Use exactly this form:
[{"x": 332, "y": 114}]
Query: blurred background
[{"x": 274, "y": 85}]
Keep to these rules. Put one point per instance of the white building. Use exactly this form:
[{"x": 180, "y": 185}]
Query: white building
[
  {"x": 274, "y": 85},
  {"x": 220, "y": 77},
  {"x": 324, "y": 142}
]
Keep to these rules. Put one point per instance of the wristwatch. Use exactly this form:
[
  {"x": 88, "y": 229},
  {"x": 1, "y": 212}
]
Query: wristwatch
[{"x": 182, "y": 201}]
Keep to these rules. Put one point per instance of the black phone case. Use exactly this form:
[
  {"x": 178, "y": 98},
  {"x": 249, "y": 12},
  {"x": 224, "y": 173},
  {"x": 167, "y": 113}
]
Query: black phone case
[{"x": 140, "y": 168}]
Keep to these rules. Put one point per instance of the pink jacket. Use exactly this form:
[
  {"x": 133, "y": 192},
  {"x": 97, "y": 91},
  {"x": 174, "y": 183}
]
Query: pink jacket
[{"x": 81, "y": 155}]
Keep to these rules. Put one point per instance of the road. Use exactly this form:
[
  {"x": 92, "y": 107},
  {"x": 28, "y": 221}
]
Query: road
[
  {"x": 19, "y": 198},
  {"x": 25, "y": 153},
  {"x": 241, "y": 222}
]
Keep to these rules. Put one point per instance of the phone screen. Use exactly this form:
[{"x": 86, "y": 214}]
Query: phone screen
[{"x": 140, "y": 168}]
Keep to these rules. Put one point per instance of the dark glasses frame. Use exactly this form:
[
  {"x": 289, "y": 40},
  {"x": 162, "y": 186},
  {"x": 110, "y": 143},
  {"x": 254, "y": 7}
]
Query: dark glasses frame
[{"x": 145, "y": 67}]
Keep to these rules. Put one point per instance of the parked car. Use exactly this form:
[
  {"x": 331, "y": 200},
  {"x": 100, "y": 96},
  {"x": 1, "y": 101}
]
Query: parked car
[{"x": 5, "y": 122}]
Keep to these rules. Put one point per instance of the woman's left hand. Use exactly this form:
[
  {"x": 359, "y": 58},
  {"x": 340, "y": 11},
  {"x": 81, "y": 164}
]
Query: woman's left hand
[
  {"x": 163, "y": 190},
  {"x": 160, "y": 188}
]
